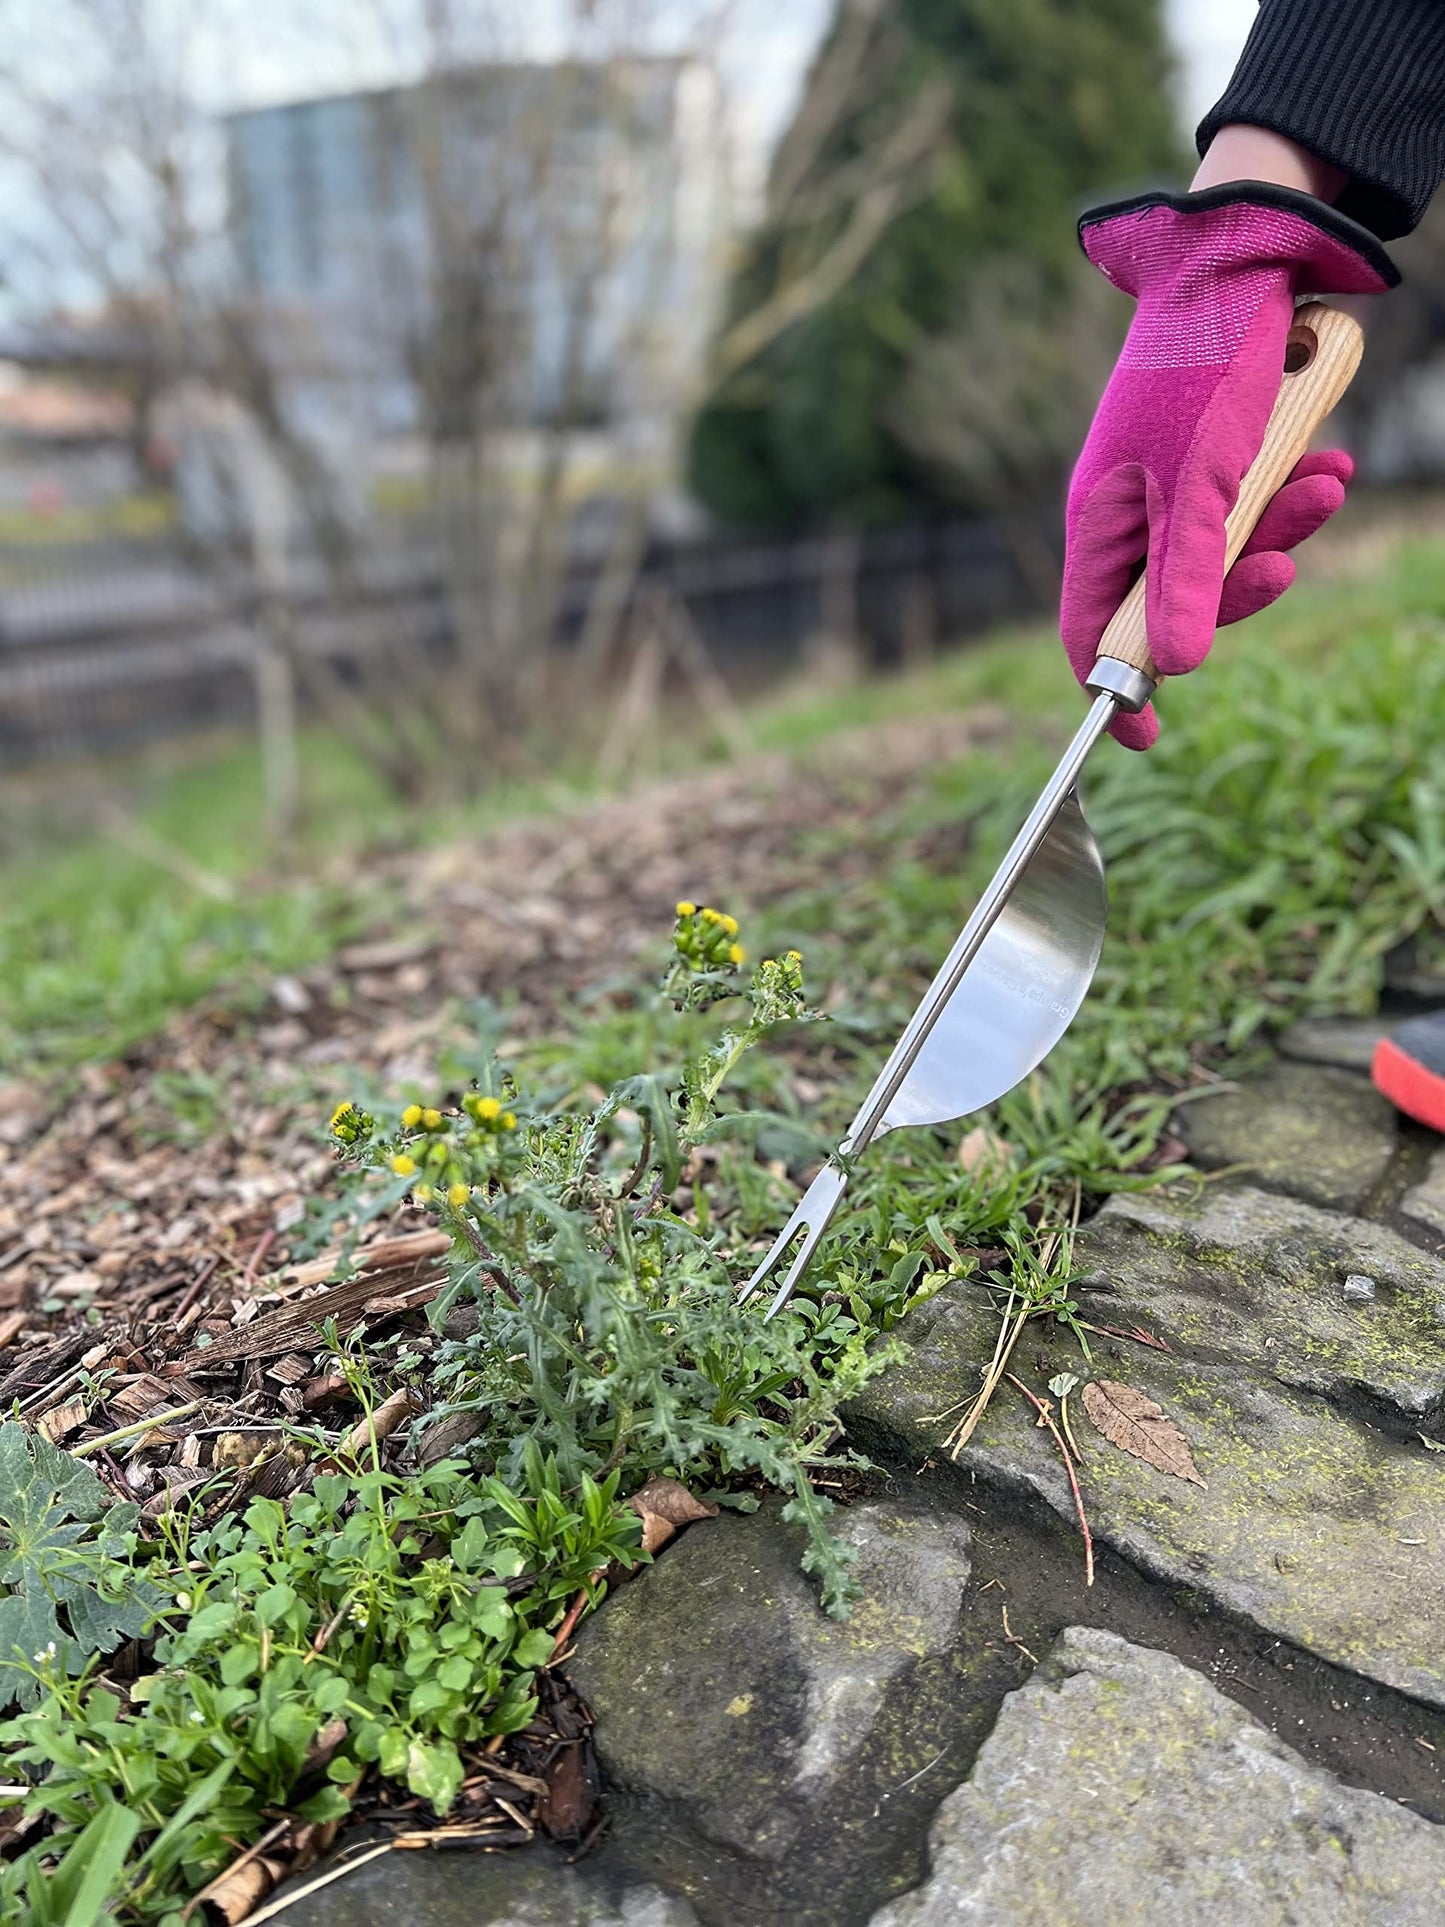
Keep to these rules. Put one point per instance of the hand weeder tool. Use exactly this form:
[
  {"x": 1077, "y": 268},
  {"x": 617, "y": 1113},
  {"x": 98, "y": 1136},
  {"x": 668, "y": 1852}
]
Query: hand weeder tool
[{"x": 1010, "y": 986}]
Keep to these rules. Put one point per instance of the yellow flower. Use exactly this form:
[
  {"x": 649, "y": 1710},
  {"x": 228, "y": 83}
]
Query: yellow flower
[
  {"x": 432, "y": 1120},
  {"x": 341, "y": 1111},
  {"x": 736, "y": 953},
  {"x": 403, "y": 1166},
  {"x": 795, "y": 956},
  {"x": 709, "y": 915},
  {"x": 728, "y": 926},
  {"x": 422, "y": 1194},
  {"x": 686, "y": 909},
  {"x": 487, "y": 1109},
  {"x": 457, "y": 1194},
  {"x": 411, "y": 1117},
  {"x": 509, "y": 1120}
]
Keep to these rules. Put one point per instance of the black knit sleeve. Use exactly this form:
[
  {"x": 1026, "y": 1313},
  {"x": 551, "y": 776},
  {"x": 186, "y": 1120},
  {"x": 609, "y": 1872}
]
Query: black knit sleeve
[{"x": 1360, "y": 83}]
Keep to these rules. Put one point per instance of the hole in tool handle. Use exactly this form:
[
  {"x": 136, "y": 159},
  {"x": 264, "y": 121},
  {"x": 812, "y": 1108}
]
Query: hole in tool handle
[{"x": 1300, "y": 349}]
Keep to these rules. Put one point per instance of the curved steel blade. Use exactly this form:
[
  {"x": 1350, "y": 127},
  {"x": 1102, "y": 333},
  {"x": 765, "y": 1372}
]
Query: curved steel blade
[{"x": 1019, "y": 995}]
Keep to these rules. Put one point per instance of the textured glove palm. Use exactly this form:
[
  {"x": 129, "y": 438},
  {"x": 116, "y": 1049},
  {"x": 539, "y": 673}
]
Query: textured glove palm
[{"x": 1216, "y": 276}]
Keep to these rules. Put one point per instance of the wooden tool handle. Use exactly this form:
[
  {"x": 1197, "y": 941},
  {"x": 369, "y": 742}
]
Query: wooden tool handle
[{"x": 1321, "y": 356}]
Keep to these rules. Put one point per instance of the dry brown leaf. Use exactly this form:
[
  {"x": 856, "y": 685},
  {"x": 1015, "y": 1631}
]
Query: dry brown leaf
[
  {"x": 239, "y": 1892},
  {"x": 565, "y": 1810},
  {"x": 663, "y": 1505},
  {"x": 1133, "y": 1422},
  {"x": 378, "y": 1425},
  {"x": 983, "y": 1149}
]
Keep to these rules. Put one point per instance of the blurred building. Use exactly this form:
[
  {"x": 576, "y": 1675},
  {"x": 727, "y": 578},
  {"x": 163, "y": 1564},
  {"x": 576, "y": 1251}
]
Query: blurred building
[
  {"x": 542, "y": 239},
  {"x": 63, "y": 443}
]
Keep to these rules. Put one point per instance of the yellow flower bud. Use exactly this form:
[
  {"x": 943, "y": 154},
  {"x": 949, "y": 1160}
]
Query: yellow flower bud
[
  {"x": 509, "y": 1120},
  {"x": 487, "y": 1109},
  {"x": 709, "y": 915},
  {"x": 795, "y": 956},
  {"x": 736, "y": 953},
  {"x": 411, "y": 1117},
  {"x": 686, "y": 909},
  {"x": 728, "y": 925},
  {"x": 403, "y": 1166},
  {"x": 457, "y": 1194},
  {"x": 432, "y": 1120},
  {"x": 341, "y": 1111},
  {"x": 422, "y": 1194}
]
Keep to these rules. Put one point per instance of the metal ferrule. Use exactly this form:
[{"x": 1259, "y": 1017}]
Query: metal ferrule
[{"x": 1129, "y": 686}]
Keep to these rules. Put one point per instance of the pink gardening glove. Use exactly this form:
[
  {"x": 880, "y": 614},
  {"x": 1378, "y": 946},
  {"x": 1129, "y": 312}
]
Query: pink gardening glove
[{"x": 1216, "y": 275}]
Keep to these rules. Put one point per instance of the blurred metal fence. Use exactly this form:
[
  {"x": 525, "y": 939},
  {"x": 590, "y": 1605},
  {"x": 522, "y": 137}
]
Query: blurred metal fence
[{"x": 109, "y": 644}]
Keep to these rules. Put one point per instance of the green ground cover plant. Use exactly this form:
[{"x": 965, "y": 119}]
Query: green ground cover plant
[{"x": 436, "y": 1589}]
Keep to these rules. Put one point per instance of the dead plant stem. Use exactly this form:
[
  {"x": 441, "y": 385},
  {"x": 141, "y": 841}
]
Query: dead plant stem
[{"x": 1046, "y": 1418}]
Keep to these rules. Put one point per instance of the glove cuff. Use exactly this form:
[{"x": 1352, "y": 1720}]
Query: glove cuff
[{"x": 1239, "y": 224}]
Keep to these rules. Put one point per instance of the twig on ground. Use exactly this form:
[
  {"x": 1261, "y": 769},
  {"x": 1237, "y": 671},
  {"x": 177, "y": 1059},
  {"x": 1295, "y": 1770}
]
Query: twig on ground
[
  {"x": 1046, "y": 1418},
  {"x": 253, "y": 1263},
  {"x": 324, "y": 1637},
  {"x": 568, "y": 1626},
  {"x": 1008, "y": 1336},
  {"x": 1137, "y": 1336},
  {"x": 197, "y": 1285},
  {"x": 155, "y": 1422},
  {"x": 1013, "y": 1639}
]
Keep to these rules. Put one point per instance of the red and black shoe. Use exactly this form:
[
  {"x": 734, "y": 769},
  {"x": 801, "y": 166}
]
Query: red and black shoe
[{"x": 1409, "y": 1067}]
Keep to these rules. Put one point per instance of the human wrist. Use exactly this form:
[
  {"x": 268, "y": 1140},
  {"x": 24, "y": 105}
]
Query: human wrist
[{"x": 1243, "y": 153}]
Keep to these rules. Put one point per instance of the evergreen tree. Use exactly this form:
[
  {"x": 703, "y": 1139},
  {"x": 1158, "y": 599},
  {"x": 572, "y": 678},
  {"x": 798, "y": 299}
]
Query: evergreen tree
[{"x": 1045, "y": 104}]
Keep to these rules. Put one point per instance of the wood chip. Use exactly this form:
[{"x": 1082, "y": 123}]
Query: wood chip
[
  {"x": 293, "y": 1369},
  {"x": 282, "y": 1331},
  {"x": 387, "y": 1254},
  {"x": 64, "y": 1419},
  {"x": 389, "y": 953},
  {"x": 144, "y": 1395}
]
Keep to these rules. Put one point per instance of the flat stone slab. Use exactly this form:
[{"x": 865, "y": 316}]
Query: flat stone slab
[
  {"x": 1120, "y": 1787},
  {"x": 1315, "y": 1523},
  {"x": 1235, "y": 1275},
  {"x": 535, "y": 1888},
  {"x": 731, "y": 1711},
  {"x": 1425, "y": 1202},
  {"x": 1347, "y": 1042},
  {"x": 1318, "y": 1133}
]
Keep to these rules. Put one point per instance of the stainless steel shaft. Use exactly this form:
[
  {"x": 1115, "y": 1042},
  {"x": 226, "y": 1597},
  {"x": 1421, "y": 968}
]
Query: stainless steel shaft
[{"x": 986, "y": 913}]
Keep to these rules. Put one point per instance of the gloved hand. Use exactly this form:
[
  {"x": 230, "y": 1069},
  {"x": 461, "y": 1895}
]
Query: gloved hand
[{"x": 1216, "y": 275}]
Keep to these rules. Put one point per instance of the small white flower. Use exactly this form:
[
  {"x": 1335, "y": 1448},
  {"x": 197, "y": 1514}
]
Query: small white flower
[{"x": 198, "y": 1719}]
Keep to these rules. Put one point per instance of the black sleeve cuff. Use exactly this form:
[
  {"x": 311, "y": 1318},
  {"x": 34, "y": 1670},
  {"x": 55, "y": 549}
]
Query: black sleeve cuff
[{"x": 1361, "y": 84}]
